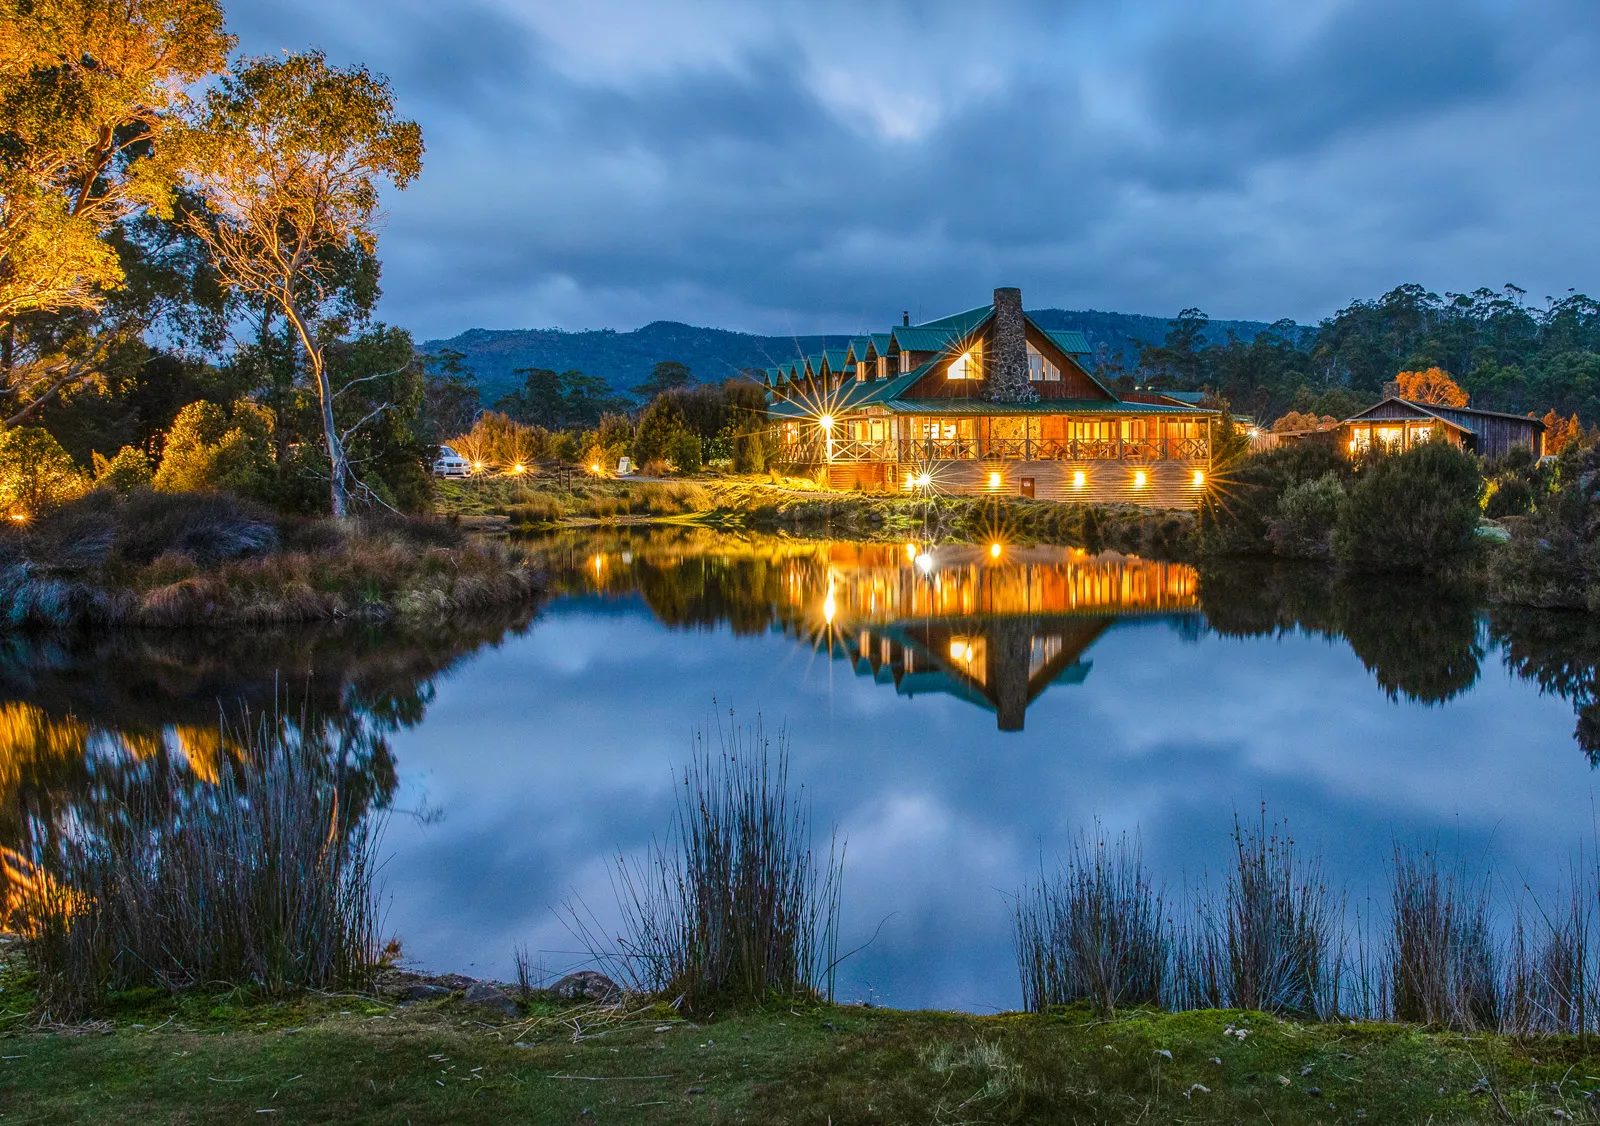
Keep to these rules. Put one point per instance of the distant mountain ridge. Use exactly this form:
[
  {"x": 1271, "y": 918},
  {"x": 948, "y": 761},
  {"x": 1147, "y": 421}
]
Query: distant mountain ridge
[{"x": 624, "y": 359}]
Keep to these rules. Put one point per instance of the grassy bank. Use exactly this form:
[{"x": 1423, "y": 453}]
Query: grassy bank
[
  {"x": 186, "y": 559},
  {"x": 227, "y": 1057}
]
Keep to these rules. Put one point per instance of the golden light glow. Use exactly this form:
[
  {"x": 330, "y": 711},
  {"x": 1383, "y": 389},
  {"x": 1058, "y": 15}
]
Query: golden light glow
[
  {"x": 1199, "y": 478},
  {"x": 1139, "y": 479},
  {"x": 994, "y": 480},
  {"x": 477, "y": 467},
  {"x": 826, "y": 422},
  {"x": 960, "y": 650},
  {"x": 20, "y": 517},
  {"x": 595, "y": 469},
  {"x": 994, "y": 551},
  {"x": 516, "y": 468},
  {"x": 829, "y": 606},
  {"x": 923, "y": 480},
  {"x": 911, "y": 551},
  {"x": 1077, "y": 479}
]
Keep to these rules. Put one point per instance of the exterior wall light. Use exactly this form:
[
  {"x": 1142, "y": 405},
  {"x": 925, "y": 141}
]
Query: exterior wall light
[
  {"x": 595, "y": 469},
  {"x": 1139, "y": 479},
  {"x": 923, "y": 480},
  {"x": 994, "y": 480},
  {"x": 826, "y": 422},
  {"x": 994, "y": 551},
  {"x": 1077, "y": 479},
  {"x": 1199, "y": 478}
]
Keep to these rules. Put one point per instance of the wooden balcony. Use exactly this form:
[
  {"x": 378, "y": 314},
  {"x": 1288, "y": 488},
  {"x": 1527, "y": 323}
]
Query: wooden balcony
[{"x": 814, "y": 450}]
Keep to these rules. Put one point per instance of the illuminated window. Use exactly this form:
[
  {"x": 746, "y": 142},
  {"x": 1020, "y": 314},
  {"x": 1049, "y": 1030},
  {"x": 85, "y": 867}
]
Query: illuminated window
[
  {"x": 861, "y": 371},
  {"x": 905, "y": 362},
  {"x": 965, "y": 366},
  {"x": 883, "y": 367},
  {"x": 1041, "y": 370}
]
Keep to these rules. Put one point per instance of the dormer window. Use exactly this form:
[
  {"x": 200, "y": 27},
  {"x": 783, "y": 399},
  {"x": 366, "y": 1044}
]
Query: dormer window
[
  {"x": 1040, "y": 369},
  {"x": 905, "y": 362},
  {"x": 861, "y": 371},
  {"x": 968, "y": 365},
  {"x": 883, "y": 367}
]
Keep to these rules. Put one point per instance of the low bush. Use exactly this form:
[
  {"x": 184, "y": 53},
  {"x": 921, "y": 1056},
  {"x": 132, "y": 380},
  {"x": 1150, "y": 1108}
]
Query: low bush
[
  {"x": 1236, "y": 514},
  {"x": 1308, "y": 511},
  {"x": 36, "y": 474},
  {"x": 128, "y": 469},
  {"x": 1415, "y": 511}
]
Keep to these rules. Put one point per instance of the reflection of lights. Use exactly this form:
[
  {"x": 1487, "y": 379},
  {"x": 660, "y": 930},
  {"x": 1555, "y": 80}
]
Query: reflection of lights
[
  {"x": 994, "y": 480},
  {"x": 1077, "y": 479},
  {"x": 925, "y": 562},
  {"x": 960, "y": 650},
  {"x": 911, "y": 551},
  {"x": 994, "y": 551},
  {"x": 1199, "y": 478},
  {"x": 829, "y": 606},
  {"x": 1139, "y": 479},
  {"x": 599, "y": 563},
  {"x": 826, "y": 422}
]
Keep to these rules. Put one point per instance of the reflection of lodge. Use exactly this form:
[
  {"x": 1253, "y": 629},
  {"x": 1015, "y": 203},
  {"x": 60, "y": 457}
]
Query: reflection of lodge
[
  {"x": 991, "y": 625},
  {"x": 955, "y": 620}
]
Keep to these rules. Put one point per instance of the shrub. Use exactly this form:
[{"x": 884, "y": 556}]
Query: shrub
[
  {"x": 659, "y": 425},
  {"x": 684, "y": 451},
  {"x": 125, "y": 472},
  {"x": 1413, "y": 511},
  {"x": 1304, "y": 523},
  {"x": 1235, "y": 516},
  {"x": 1510, "y": 496},
  {"x": 36, "y": 474},
  {"x": 206, "y": 448}
]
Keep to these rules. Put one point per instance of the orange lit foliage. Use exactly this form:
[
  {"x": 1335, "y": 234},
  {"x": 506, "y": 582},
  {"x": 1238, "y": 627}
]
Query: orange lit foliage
[
  {"x": 1559, "y": 433},
  {"x": 1294, "y": 421},
  {"x": 1431, "y": 386}
]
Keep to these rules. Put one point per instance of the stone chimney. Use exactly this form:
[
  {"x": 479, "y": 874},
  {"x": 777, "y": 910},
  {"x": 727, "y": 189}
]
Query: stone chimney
[
  {"x": 905, "y": 318},
  {"x": 1006, "y": 377},
  {"x": 1391, "y": 389}
]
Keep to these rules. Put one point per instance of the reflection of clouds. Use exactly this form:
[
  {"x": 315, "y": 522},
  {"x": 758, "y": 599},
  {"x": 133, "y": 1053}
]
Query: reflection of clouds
[{"x": 557, "y": 749}]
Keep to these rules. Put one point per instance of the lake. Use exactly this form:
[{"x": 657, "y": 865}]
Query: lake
[{"x": 957, "y": 713}]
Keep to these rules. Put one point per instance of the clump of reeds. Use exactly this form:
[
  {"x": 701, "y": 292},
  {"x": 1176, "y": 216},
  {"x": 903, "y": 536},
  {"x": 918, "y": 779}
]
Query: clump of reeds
[
  {"x": 258, "y": 878},
  {"x": 1443, "y": 965},
  {"x": 1092, "y": 933},
  {"x": 1274, "y": 941},
  {"x": 735, "y": 904}
]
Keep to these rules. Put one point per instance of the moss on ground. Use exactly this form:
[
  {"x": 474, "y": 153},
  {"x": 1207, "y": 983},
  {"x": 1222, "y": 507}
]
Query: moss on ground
[{"x": 348, "y": 1058}]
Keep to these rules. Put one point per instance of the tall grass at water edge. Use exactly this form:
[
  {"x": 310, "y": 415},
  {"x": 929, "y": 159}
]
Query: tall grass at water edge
[
  {"x": 735, "y": 904},
  {"x": 258, "y": 878},
  {"x": 1276, "y": 940}
]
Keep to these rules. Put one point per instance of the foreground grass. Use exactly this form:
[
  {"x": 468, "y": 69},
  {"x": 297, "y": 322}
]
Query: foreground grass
[{"x": 323, "y": 1058}]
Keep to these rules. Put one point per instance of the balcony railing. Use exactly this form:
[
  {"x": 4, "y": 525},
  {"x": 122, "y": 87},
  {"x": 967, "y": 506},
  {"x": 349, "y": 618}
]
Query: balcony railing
[{"x": 815, "y": 450}]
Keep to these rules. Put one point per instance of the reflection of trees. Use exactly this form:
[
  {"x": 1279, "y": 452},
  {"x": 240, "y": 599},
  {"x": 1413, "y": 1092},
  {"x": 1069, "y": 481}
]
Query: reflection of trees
[
  {"x": 87, "y": 718},
  {"x": 1560, "y": 651},
  {"x": 1420, "y": 640}
]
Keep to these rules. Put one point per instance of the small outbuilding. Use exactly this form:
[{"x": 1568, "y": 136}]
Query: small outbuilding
[{"x": 1398, "y": 424}]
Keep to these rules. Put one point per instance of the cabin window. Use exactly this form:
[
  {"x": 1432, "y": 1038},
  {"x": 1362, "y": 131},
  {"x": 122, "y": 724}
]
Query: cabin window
[
  {"x": 883, "y": 367},
  {"x": 968, "y": 365},
  {"x": 861, "y": 371},
  {"x": 1040, "y": 369},
  {"x": 905, "y": 362}
]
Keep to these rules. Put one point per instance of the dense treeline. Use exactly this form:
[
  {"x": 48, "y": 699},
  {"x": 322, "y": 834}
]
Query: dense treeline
[{"x": 1508, "y": 354}]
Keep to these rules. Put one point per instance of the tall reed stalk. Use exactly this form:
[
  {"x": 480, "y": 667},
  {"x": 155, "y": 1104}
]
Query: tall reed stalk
[
  {"x": 735, "y": 905},
  {"x": 1276, "y": 941},
  {"x": 258, "y": 878},
  {"x": 1093, "y": 932},
  {"x": 1444, "y": 967}
]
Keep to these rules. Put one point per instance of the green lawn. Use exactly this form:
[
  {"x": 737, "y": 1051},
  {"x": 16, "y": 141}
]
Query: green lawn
[{"x": 346, "y": 1059}]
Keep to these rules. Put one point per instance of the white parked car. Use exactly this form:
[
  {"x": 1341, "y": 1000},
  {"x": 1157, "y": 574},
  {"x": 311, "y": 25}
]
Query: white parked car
[{"x": 451, "y": 464}]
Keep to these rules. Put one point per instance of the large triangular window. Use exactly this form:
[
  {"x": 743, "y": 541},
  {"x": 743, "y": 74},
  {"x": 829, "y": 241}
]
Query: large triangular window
[{"x": 1040, "y": 369}]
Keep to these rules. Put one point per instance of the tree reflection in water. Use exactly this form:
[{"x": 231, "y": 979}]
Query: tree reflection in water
[{"x": 87, "y": 722}]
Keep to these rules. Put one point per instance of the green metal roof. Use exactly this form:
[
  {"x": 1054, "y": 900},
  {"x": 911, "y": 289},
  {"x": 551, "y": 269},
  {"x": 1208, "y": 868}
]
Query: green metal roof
[
  {"x": 836, "y": 358},
  {"x": 858, "y": 350},
  {"x": 880, "y": 342},
  {"x": 961, "y": 323},
  {"x": 922, "y": 339},
  {"x": 1040, "y": 406},
  {"x": 1072, "y": 343}
]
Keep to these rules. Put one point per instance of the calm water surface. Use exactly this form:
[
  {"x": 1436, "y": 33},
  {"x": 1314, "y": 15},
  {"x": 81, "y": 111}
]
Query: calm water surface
[{"x": 958, "y": 716}]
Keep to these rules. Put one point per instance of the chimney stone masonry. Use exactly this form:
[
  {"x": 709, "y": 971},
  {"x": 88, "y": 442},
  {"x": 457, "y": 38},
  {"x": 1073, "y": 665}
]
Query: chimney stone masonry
[{"x": 1006, "y": 381}]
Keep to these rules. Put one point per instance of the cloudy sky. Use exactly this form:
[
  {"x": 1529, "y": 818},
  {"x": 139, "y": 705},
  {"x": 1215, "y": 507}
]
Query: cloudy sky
[{"x": 812, "y": 165}]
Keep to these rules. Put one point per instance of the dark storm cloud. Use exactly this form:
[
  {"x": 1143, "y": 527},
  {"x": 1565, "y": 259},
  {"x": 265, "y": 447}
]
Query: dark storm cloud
[{"x": 794, "y": 166}]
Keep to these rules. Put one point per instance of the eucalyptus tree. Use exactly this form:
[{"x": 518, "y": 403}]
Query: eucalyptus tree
[
  {"x": 289, "y": 155},
  {"x": 90, "y": 91}
]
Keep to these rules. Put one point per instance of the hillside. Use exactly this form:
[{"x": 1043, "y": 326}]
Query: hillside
[{"x": 624, "y": 359}]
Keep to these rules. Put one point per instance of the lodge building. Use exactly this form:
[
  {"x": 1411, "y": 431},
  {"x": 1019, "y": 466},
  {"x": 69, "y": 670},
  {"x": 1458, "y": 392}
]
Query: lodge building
[{"x": 986, "y": 401}]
